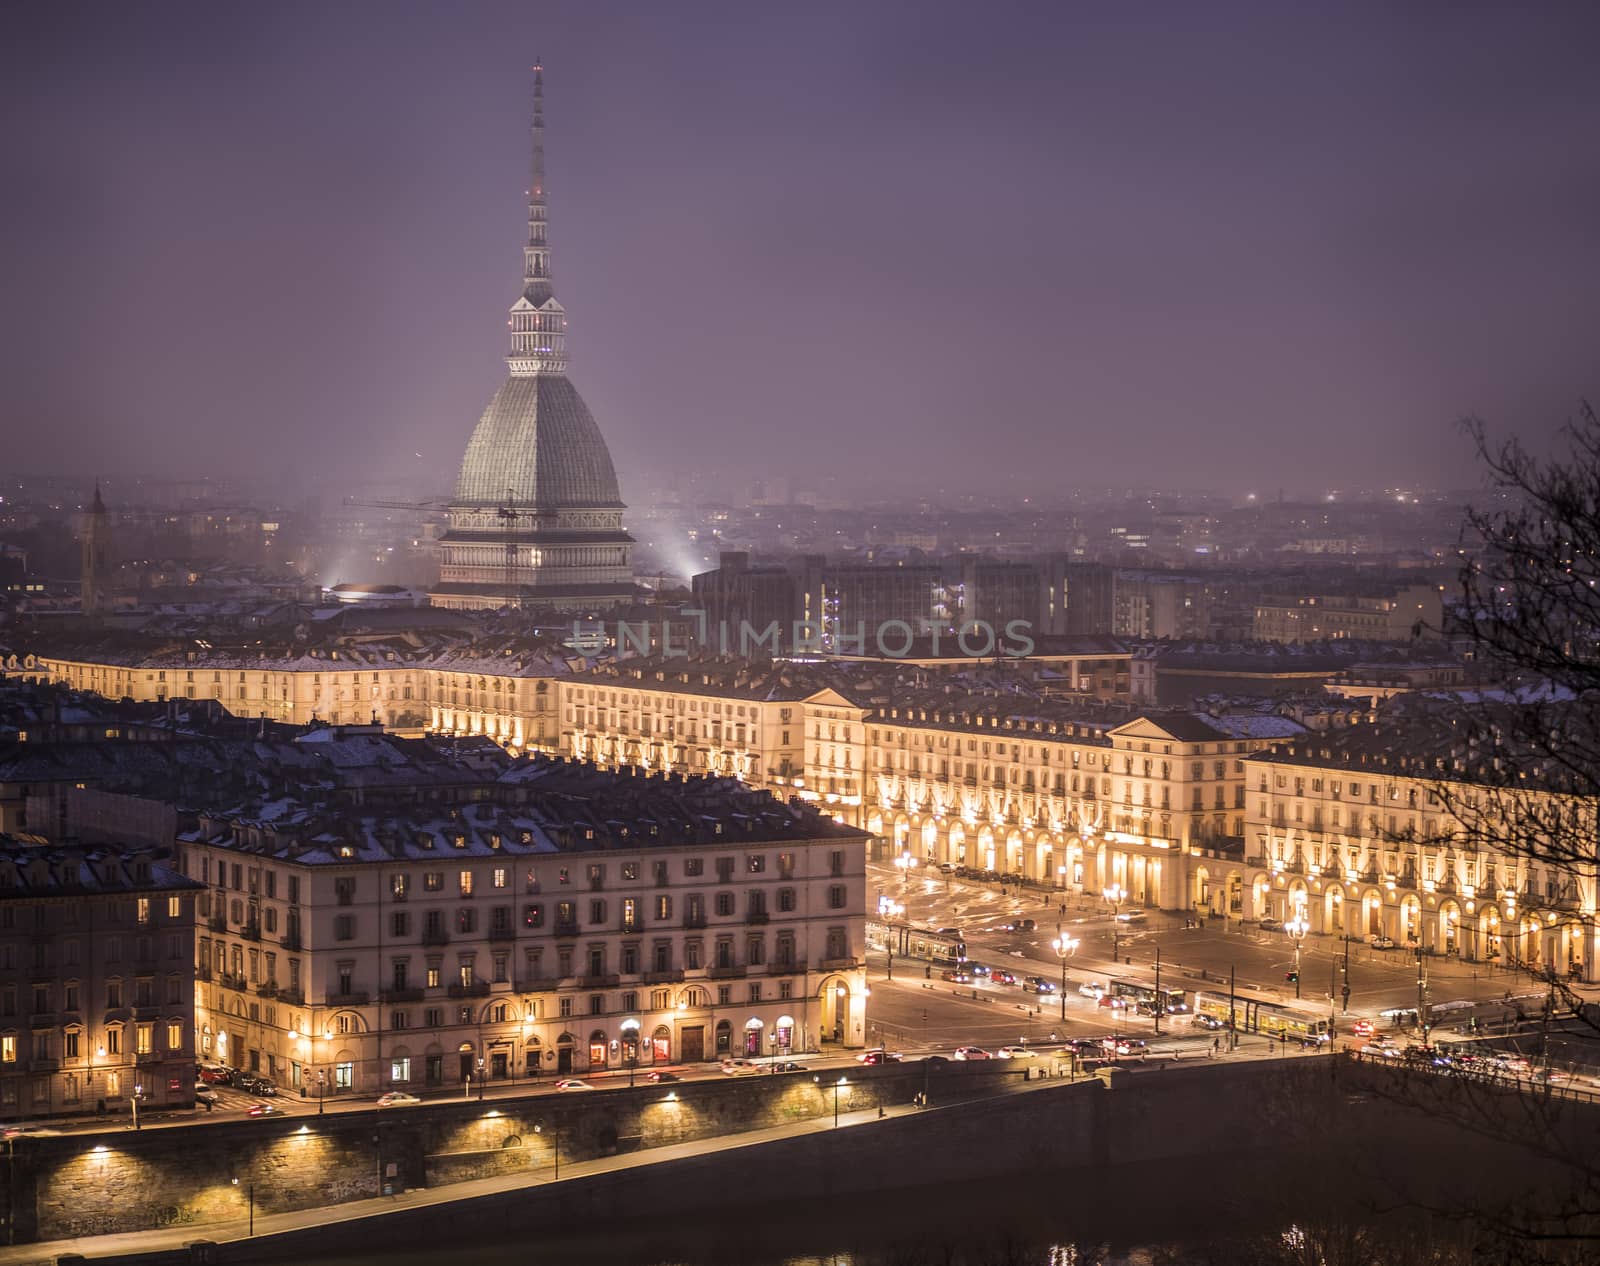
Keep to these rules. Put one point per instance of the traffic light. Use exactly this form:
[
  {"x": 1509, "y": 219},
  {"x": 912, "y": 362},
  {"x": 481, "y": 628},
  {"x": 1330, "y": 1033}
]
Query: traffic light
[{"x": 1293, "y": 977}]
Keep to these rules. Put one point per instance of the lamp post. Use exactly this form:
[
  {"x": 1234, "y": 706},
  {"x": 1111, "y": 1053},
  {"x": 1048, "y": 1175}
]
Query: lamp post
[
  {"x": 481, "y": 1079},
  {"x": 889, "y": 910},
  {"x": 835, "y": 1088},
  {"x": 1296, "y": 929},
  {"x": 1114, "y": 895},
  {"x": 250, "y": 1188},
  {"x": 555, "y": 1144},
  {"x": 1065, "y": 947}
]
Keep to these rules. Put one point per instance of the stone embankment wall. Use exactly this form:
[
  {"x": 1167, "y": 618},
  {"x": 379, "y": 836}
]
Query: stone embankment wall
[{"x": 120, "y": 1180}]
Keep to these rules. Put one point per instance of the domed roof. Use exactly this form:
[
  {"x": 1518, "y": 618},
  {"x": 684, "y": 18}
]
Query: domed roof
[{"x": 538, "y": 445}]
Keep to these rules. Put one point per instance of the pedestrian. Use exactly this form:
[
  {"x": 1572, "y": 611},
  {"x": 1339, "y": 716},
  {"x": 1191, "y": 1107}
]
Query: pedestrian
[
  {"x": 1063, "y": 907},
  {"x": 1216, "y": 1046}
]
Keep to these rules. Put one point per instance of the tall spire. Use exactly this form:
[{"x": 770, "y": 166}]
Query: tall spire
[{"x": 538, "y": 323}]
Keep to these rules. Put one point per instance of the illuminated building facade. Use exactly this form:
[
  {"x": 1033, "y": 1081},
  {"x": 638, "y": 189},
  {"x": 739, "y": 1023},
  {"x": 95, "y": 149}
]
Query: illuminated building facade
[
  {"x": 578, "y": 920},
  {"x": 96, "y": 980}
]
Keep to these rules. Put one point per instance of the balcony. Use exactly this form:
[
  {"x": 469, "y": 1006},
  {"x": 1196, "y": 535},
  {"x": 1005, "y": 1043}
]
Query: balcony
[
  {"x": 202, "y": 973},
  {"x": 502, "y": 933},
  {"x": 758, "y": 916},
  {"x": 694, "y": 920},
  {"x": 632, "y": 926},
  {"x": 42, "y": 1020},
  {"x": 145, "y": 1058},
  {"x": 599, "y": 982},
  {"x": 251, "y": 931},
  {"x": 45, "y": 1064},
  {"x": 230, "y": 981},
  {"x": 400, "y": 995},
  {"x": 295, "y": 996},
  {"x": 538, "y": 984},
  {"x": 837, "y": 964},
  {"x": 475, "y": 989},
  {"x": 670, "y": 977},
  {"x": 267, "y": 991},
  {"x": 218, "y": 923},
  {"x": 290, "y": 940},
  {"x": 726, "y": 973},
  {"x": 786, "y": 968},
  {"x": 355, "y": 998},
  {"x": 435, "y": 936}
]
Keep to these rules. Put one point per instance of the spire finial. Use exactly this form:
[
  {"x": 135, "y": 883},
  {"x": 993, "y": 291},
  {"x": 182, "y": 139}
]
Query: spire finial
[{"x": 538, "y": 325}]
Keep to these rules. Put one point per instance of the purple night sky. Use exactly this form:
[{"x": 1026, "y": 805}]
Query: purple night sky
[{"x": 1007, "y": 247}]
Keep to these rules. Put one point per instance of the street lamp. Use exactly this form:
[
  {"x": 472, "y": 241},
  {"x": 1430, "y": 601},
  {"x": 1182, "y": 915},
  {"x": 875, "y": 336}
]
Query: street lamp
[
  {"x": 905, "y": 863},
  {"x": 1115, "y": 895},
  {"x": 889, "y": 910},
  {"x": 555, "y": 1144},
  {"x": 1296, "y": 929},
  {"x": 835, "y": 1087},
  {"x": 1065, "y": 947},
  {"x": 251, "y": 1188}
]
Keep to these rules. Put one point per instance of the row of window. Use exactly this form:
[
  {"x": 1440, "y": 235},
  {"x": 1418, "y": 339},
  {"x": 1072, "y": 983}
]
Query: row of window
[
  {"x": 143, "y": 994},
  {"x": 74, "y": 1044}
]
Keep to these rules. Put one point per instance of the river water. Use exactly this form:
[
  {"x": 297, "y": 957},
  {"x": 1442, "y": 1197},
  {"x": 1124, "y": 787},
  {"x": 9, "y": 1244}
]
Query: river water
[{"x": 1043, "y": 1220}]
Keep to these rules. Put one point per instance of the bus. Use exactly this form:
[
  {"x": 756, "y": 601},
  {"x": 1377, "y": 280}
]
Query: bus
[
  {"x": 1145, "y": 998},
  {"x": 1274, "y": 1019},
  {"x": 903, "y": 940}
]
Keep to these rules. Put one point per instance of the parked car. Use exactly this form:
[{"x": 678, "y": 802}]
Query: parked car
[
  {"x": 206, "y": 1095},
  {"x": 573, "y": 1083},
  {"x": 879, "y": 1056},
  {"x": 998, "y": 977},
  {"x": 972, "y": 1052},
  {"x": 947, "y": 868},
  {"x": 1379, "y": 941},
  {"x": 265, "y": 1086},
  {"x": 263, "y": 1109},
  {"x": 1272, "y": 925},
  {"x": 662, "y": 1075},
  {"x": 245, "y": 1082},
  {"x": 1037, "y": 984},
  {"x": 958, "y": 977},
  {"x": 791, "y": 1067},
  {"x": 1015, "y": 1052},
  {"x": 214, "y": 1074},
  {"x": 398, "y": 1099},
  {"x": 1120, "y": 1045},
  {"x": 1093, "y": 989}
]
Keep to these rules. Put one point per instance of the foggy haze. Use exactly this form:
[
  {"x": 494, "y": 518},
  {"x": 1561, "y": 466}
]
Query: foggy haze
[{"x": 1005, "y": 248}]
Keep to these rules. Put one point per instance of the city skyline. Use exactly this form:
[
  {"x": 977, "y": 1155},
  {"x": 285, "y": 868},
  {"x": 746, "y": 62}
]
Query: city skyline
[{"x": 1255, "y": 255}]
